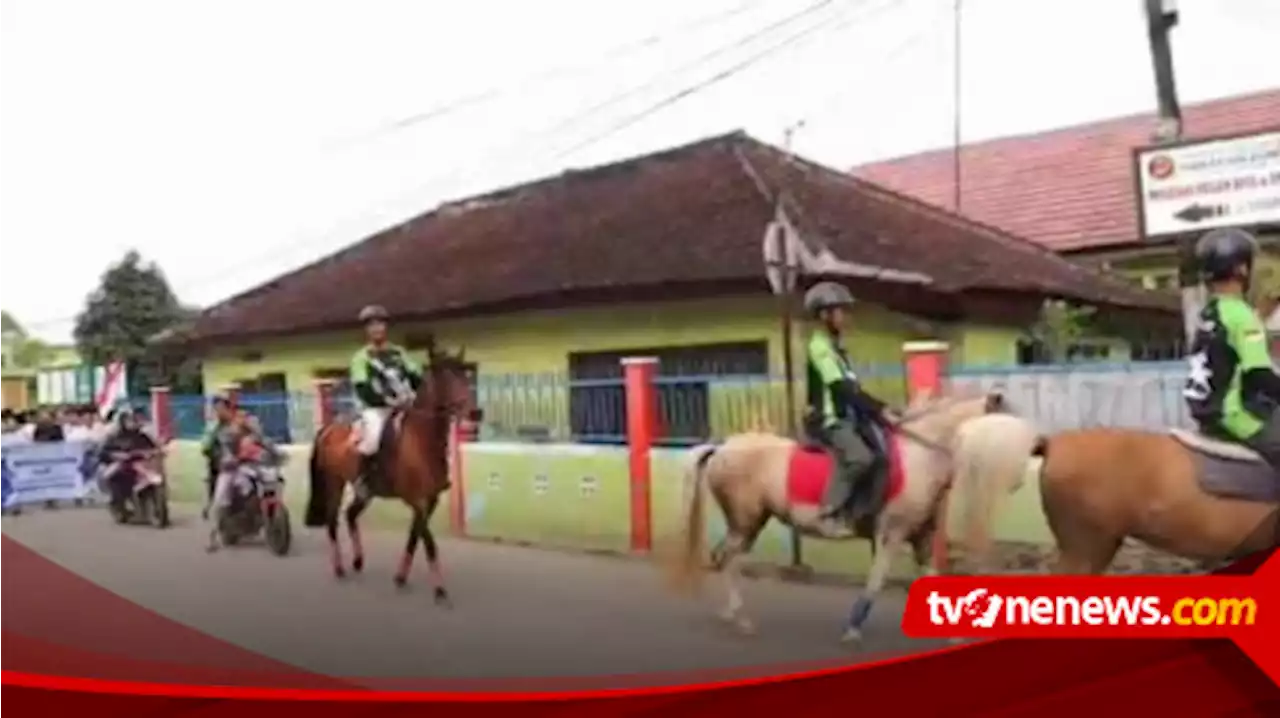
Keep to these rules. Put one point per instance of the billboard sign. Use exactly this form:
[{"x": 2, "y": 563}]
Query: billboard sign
[{"x": 1197, "y": 186}]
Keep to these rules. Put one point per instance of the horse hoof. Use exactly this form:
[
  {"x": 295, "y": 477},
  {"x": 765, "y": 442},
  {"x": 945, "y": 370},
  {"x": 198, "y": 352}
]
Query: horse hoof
[
  {"x": 442, "y": 598},
  {"x": 851, "y": 636},
  {"x": 357, "y": 564}
]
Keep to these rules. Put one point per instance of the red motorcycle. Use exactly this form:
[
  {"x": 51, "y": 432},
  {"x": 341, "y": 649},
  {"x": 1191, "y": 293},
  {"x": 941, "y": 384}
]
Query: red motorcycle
[
  {"x": 257, "y": 505},
  {"x": 145, "y": 501}
]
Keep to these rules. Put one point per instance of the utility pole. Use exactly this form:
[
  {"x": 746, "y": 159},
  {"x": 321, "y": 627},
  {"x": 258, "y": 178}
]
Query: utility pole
[{"x": 1162, "y": 16}]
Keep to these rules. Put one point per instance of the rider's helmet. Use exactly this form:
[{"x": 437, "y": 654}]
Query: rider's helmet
[
  {"x": 1220, "y": 253},
  {"x": 373, "y": 312},
  {"x": 826, "y": 295}
]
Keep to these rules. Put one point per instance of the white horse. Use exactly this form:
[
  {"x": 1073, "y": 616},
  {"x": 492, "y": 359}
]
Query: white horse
[{"x": 757, "y": 476}]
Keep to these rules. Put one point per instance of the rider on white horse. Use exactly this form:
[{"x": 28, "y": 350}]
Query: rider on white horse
[
  {"x": 383, "y": 376},
  {"x": 841, "y": 412}
]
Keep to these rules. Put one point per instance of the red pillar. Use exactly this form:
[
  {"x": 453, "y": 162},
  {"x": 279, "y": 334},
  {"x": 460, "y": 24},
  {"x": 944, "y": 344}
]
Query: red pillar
[
  {"x": 162, "y": 413},
  {"x": 925, "y": 365},
  {"x": 325, "y": 408},
  {"x": 642, "y": 422},
  {"x": 458, "y": 492}
]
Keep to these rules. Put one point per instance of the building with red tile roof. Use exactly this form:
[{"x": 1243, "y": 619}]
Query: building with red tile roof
[
  {"x": 1072, "y": 189},
  {"x": 686, "y": 222}
]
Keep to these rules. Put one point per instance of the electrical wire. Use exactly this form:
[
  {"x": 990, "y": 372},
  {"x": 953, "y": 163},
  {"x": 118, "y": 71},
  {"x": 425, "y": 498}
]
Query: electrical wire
[
  {"x": 667, "y": 101},
  {"x": 530, "y": 139},
  {"x": 715, "y": 79},
  {"x": 496, "y": 91}
]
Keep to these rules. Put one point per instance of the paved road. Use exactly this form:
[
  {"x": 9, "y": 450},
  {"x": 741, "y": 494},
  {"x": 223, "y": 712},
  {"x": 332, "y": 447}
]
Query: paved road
[{"x": 518, "y": 612}]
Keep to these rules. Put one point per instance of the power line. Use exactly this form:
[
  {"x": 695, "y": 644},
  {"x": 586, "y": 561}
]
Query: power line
[
  {"x": 891, "y": 56},
  {"x": 497, "y": 91},
  {"x": 662, "y": 104},
  {"x": 693, "y": 64},
  {"x": 713, "y": 80},
  {"x": 530, "y": 139}
]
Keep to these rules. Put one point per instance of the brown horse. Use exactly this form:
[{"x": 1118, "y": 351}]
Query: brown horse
[
  {"x": 1176, "y": 491},
  {"x": 757, "y": 476},
  {"x": 414, "y": 463}
]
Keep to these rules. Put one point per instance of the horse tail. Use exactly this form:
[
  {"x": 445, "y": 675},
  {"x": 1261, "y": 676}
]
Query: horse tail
[
  {"x": 991, "y": 455},
  {"x": 318, "y": 502},
  {"x": 686, "y": 569}
]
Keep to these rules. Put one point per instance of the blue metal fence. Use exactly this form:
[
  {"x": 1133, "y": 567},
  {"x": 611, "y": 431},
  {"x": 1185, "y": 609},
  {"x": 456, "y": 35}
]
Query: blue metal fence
[{"x": 555, "y": 408}]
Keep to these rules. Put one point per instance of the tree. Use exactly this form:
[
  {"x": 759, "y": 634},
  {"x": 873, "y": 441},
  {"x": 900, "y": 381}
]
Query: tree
[
  {"x": 1060, "y": 326},
  {"x": 132, "y": 304},
  {"x": 21, "y": 350}
]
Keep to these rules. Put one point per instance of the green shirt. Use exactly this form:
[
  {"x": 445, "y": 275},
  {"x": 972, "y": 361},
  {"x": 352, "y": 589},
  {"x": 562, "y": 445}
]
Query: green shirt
[
  {"x": 828, "y": 368},
  {"x": 1230, "y": 341},
  {"x": 374, "y": 387}
]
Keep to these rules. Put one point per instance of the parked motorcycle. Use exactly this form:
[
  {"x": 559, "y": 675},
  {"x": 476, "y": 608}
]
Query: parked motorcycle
[
  {"x": 257, "y": 507},
  {"x": 147, "y": 503}
]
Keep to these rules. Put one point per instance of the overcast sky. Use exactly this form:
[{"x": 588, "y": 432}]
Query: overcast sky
[{"x": 231, "y": 140}]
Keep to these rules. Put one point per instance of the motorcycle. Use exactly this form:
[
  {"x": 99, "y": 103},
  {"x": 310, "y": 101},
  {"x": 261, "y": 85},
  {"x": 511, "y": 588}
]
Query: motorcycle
[
  {"x": 257, "y": 507},
  {"x": 148, "y": 501}
]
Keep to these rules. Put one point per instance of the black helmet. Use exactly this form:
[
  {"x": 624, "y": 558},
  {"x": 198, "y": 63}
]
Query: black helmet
[
  {"x": 825, "y": 295},
  {"x": 373, "y": 312},
  {"x": 1221, "y": 252}
]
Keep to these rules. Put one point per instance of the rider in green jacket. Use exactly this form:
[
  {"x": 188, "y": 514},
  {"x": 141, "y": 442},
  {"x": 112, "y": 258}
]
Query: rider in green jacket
[
  {"x": 383, "y": 376},
  {"x": 841, "y": 413},
  {"x": 1232, "y": 389}
]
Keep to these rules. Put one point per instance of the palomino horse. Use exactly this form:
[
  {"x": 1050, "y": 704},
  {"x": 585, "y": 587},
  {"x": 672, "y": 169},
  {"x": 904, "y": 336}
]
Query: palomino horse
[
  {"x": 757, "y": 476},
  {"x": 1177, "y": 491},
  {"x": 413, "y": 462}
]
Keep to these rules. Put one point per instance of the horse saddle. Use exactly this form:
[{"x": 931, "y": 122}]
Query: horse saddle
[{"x": 1230, "y": 470}]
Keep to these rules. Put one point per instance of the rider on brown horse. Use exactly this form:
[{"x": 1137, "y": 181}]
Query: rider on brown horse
[
  {"x": 1232, "y": 389},
  {"x": 841, "y": 414},
  {"x": 384, "y": 377}
]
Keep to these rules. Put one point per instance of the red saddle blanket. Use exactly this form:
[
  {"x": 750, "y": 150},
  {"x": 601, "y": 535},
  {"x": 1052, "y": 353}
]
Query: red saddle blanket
[{"x": 809, "y": 472}]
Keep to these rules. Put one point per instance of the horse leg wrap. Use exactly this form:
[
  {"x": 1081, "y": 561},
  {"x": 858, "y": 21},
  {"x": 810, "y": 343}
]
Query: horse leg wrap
[{"x": 402, "y": 573}]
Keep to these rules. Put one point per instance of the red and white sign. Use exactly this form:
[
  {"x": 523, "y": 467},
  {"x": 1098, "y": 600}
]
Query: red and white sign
[{"x": 1199, "y": 186}]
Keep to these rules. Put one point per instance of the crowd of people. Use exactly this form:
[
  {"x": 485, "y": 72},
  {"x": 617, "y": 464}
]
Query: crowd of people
[{"x": 74, "y": 422}]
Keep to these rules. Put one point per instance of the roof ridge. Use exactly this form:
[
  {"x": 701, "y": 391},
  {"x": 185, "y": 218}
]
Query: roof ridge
[
  {"x": 963, "y": 222},
  {"x": 489, "y": 196},
  {"x": 1086, "y": 128}
]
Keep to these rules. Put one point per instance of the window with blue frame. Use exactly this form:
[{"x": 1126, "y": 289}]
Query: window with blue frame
[{"x": 597, "y": 398}]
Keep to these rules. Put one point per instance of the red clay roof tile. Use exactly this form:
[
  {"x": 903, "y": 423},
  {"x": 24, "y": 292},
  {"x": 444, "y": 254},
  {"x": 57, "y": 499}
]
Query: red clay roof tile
[
  {"x": 690, "y": 216},
  {"x": 1068, "y": 189}
]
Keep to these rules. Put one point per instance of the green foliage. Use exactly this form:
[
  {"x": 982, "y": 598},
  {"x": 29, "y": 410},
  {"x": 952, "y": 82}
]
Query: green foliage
[
  {"x": 1060, "y": 326},
  {"x": 132, "y": 304}
]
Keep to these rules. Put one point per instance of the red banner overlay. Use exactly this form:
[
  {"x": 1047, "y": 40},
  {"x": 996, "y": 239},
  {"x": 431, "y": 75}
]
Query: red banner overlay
[{"x": 1244, "y": 609}]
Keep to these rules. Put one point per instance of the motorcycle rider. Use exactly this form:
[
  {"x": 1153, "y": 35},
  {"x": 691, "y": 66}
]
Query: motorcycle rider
[
  {"x": 841, "y": 414},
  {"x": 223, "y": 414},
  {"x": 1232, "y": 389},
  {"x": 223, "y": 443},
  {"x": 384, "y": 376},
  {"x": 120, "y": 452}
]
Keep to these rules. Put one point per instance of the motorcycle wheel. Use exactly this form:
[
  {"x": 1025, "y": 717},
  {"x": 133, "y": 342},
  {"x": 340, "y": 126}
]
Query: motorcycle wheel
[
  {"x": 160, "y": 509},
  {"x": 279, "y": 533},
  {"x": 229, "y": 532}
]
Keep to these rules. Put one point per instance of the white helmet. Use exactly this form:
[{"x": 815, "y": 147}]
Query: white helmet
[{"x": 825, "y": 295}]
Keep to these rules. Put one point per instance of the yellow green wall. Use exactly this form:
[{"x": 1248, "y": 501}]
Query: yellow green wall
[{"x": 538, "y": 342}]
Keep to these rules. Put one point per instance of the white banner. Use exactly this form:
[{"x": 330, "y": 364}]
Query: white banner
[
  {"x": 34, "y": 472},
  {"x": 1203, "y": 185}
]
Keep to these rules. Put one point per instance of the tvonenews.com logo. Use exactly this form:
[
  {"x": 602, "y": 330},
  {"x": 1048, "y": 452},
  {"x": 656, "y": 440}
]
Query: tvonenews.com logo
[{"x": 983, "y": 609}]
